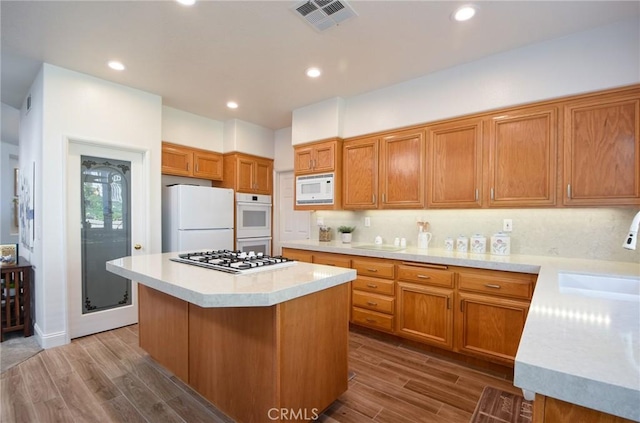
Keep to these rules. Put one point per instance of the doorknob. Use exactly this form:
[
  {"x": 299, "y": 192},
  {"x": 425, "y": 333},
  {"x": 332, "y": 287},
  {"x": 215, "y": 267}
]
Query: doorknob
[{"x": 137, "y": 246}]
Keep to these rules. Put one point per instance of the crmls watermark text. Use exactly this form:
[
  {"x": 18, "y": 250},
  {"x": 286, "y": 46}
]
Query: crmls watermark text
[{"x": 292, "y": 414}]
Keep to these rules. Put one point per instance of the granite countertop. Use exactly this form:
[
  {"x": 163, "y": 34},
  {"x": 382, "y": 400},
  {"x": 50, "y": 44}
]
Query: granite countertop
[
  {"x": 211, "y": 288},
  {"x": 580, "y": 346}
]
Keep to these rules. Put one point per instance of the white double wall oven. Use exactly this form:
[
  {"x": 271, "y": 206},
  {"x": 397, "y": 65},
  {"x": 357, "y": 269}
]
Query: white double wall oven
[{"x": 253, "y": 223}]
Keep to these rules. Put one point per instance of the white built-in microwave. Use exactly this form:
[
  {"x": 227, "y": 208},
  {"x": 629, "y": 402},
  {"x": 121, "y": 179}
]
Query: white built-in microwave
[{"x": 315, "y": 189}]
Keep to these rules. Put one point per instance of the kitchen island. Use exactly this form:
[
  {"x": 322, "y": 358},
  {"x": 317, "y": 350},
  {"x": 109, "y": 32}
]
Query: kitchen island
[
  {"x": 265, "y": 346},
  {"x": 580, "y": 348}
]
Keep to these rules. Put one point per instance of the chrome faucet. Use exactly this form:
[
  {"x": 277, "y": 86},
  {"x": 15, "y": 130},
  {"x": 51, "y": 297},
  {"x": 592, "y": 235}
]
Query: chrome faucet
[{"x": 632, "y": 238}]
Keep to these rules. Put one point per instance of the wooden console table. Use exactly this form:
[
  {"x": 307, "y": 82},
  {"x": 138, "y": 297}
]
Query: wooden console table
[{"x": 16, "y": 298}]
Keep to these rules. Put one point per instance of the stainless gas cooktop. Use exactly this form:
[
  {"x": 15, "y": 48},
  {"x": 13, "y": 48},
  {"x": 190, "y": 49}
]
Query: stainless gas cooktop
[{"x": 234, "y": 262}]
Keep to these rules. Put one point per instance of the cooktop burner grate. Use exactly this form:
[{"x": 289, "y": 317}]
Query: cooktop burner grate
[{"x": 234, "y": 262}]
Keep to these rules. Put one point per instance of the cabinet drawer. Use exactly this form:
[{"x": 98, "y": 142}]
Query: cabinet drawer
[
  {"x": 378, "y": 269},
  {"x": 515, "y": 285},
  {"x": 372, "y": 319},
  {"x": 380, "y": 286},
  {"x": 332, "y": 260},
  {"x": 425, "y": 275},
  {"x": 376, "y": 302}
]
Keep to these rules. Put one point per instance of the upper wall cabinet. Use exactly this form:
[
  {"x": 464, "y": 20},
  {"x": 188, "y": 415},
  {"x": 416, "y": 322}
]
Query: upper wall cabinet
[
  {"x": 247, "y": 173},
  {"x": 360, "y": 173},
  {"x": 179, "y": 160},
  {"x": 384, "y": 172},
  {"x": 522, "y": 157},
  {"x": 318, "y": 157},
  {"x": 602, "y": 150},
  {"x": 455, "y": 164},
  {"x": 402, "y": 167}
]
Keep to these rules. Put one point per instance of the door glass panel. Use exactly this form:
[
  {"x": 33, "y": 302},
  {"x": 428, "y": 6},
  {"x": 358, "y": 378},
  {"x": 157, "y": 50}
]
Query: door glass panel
[
  {"x": 106, "y": 231},
  {"x": 254, "y": 218}
]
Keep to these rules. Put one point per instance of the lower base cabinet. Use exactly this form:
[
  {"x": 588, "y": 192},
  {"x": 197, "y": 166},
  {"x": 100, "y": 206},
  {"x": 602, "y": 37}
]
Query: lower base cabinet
[
  {"x": 475, "y": 312},
  {"x": 552, "y": 410},
  {"x": 425, "y": 314},
  {"x": 490, "y": 327}
]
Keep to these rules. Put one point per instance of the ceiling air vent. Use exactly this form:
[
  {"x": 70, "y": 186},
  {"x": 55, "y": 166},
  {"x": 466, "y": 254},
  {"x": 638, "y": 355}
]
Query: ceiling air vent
[{"x": 324, "y": 14}]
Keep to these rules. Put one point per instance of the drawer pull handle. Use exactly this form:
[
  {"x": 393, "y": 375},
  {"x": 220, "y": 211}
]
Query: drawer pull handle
[
  {"x": 371, "y": 320},
  {"x": 491, "y": 285},
  {"x": 372, "y": 303},
  {"x": 370, "y": 285},
  {"x": 372, "y": 270},
  {"x": 424, "y": 276},
  {"x": 330, "y": 264}
]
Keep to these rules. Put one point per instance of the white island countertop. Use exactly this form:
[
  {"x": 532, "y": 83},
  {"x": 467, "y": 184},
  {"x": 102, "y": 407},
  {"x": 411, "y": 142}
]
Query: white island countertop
[
  {"x": 212, "y": 288},
  {"x": 577, "y": 346}
]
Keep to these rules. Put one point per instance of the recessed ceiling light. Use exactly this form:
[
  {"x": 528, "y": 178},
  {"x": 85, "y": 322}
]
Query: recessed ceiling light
[
  {"x": 464, "y": 13},
  {"x": 232, "y": 105},
  {"x": 187, "y": 2},
  {"x": 115, "y": 65},
  {"x": 313, "y": 72}
]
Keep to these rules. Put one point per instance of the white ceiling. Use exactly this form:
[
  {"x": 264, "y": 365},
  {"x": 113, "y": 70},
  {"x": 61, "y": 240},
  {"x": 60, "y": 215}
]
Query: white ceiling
[{"x": 197, "y": 58}]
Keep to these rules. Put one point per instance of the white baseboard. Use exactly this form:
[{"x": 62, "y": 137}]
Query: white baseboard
[{"x": 50, "y": 340}]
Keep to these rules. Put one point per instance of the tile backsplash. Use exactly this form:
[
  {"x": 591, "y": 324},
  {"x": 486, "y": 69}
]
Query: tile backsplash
[{"x": 594, "y": 233}]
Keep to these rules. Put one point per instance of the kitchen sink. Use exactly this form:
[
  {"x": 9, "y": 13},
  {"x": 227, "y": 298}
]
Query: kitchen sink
[
  {"x": 377, "y": 247},
  {"x": 626, "y": 288}
]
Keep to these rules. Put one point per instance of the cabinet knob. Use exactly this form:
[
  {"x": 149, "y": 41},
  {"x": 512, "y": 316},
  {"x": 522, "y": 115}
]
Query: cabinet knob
[{"x": 137, "y": 246}]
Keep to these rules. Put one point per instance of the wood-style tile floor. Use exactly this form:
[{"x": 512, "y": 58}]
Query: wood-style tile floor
[{"x": 107, "y": 378}]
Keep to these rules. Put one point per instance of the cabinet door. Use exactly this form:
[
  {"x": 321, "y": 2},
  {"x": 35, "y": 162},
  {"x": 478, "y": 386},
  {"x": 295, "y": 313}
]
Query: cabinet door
[
  {"x": 402, "y": 178},
  {"x": 522, "y": 158},
  {"x": 303, "y": 160},
  {"x": 602, "y": 151},
  {"x": 360, "y": 174},
  {"x": 324, "y": 157},
  {"x": 263, "y": 177},
  {"x": 245, "y": 174},
  {"x": 176, "y": 161},
  {"x": 455, "y": 164},
  {"x": 298, "y": 255},
  {"x": 425, "y": 314},
  {"x": 490, "y": 327},
  {"x": 207, "y": 166}
]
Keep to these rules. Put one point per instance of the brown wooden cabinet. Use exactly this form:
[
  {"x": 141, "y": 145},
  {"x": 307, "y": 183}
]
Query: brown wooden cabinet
[
  {"x": 425, "y": 304},
  {"x": 179, "y": 160},
  {"x": 247, "y": 173},
  {"x": 298, "y": 255},
  {"x": 602, "y": 150},
  {"x": 373, "y": 294},
  {"x": 491, "y": 310},
  {"x": 552, "y": 410},
  {"x": 318, "y": 157},
  {"x": 522, "y": 170},
  {"x": 402, "y": 168},
  {"x": 15, "y": 290},
  {"x": 360, "y": 174},
  {"x": 455, "y": 164},
  {"x": 384, "y": 172}
]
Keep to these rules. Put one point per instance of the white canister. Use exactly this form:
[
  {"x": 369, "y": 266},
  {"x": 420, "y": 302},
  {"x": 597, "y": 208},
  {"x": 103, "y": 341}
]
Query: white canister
[
  {"x": 501, "y": 244},
  {"x": 478, "y": 244},
  {"x": 462, "y": 244},
  {"x": 448, "y": 244}
]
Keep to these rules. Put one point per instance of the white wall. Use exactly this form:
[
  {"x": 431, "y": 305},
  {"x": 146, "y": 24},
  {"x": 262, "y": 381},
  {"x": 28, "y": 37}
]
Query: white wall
[
  {"x": 283, "y": 150},
  {"x": 10, "y": 124},
  {"x": 318, "y": 121},
  {"x": 246, "y": 137},
  {"x": 81, "y": 107},
  {"x": 589, "y": 61},
  {"x": 185, "y": 128}
]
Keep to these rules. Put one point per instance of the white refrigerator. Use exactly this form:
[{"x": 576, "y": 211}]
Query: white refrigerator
[{"x": 197, "y": 218}]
